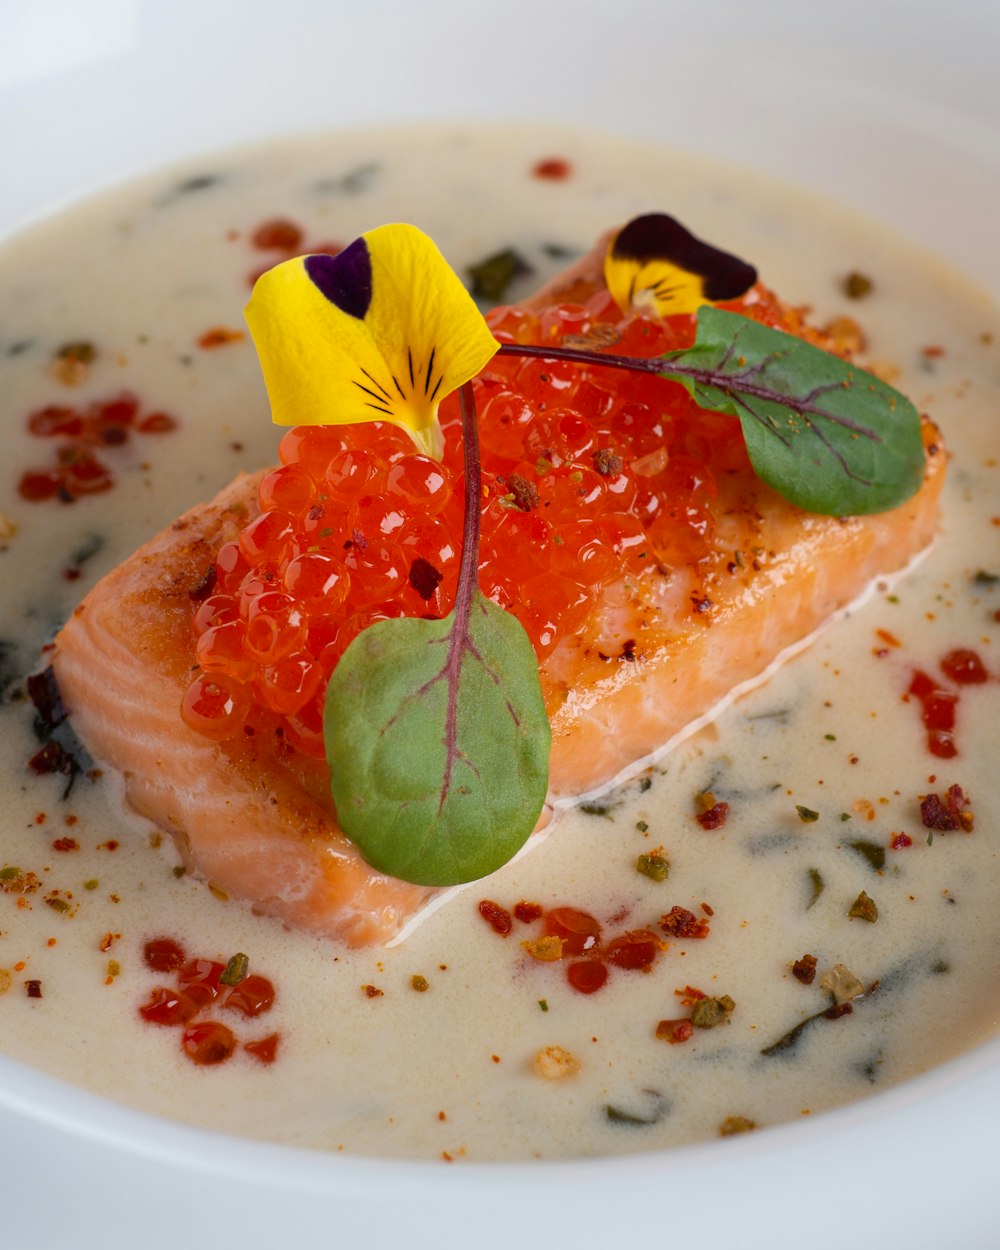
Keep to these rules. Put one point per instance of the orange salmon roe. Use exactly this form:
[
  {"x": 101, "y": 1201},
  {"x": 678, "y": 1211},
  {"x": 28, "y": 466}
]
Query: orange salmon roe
[{"x": 591, "y": 477}]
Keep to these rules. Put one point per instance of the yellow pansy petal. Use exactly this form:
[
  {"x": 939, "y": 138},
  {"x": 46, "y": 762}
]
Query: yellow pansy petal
[
  {"x": 654, "y": 263},
  {"x": 381, "y": 332}
]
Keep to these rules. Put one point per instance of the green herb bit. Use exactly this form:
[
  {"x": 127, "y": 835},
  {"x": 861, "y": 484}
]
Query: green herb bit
[
  {"x": 830, "y": 737},
  {"x": 114, "y": 968},
  {"x": 982, "y": 578},
  {"x": 791, "y": 1039},
  {"x": 543, "y": 1003},
  {"x": 873, "y": 853},
  {"x": 80, "y": 352},
  {"x": 92, "y": 884},
  {"x": 597, "y": 809},
  {"x": 656, "y": 867},
  {"x": 806, "y": 814},
  {"x": 58, "y": 904},
  {"x": 863, "y": 908},
  {"x": 709, "y": 1012},
  {"x": 235, "y": 970},
  {"x": 491, "y": 277},
  {"x": 845, "y": 816},
  {"x": 818, "y": 886},
  {"x": 178, "y": 870},
  {"x": 616, "y": 1115},
  {"x": 9, "y": 874},
  {"x": 642, "y": 826},
  {"x": 857, "y": 285},
  {"x": 734, "y": 1124}
]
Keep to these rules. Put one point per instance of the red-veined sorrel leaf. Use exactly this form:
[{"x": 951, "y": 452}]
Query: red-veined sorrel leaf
[
  {"x": 825, "y": 434},
  {"x": 438, "y": 744}
]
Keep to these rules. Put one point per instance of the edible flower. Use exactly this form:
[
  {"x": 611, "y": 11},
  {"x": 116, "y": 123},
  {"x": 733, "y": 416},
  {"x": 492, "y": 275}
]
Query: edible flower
[
  {"x": 382, "y": 331},
  {"x": 655, "y": 264}
]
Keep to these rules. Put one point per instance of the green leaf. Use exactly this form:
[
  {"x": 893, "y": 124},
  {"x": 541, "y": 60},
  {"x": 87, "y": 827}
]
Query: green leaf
[
  {"x": 438, "y": 743},
  {"x": 825, "y": 434}
]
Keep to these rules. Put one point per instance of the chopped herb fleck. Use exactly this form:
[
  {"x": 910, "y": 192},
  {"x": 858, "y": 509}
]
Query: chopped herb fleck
[
  {"x": 863, "y": 908},
  {"x": 656, "y": 867},
  {"x": 873, "y": 853},
  {"x": 642, "y": 826},
  {"x": 709, "y": 1012},
  {"x": 806, "y": 814},
  {"x": 982, "y": 578},
  {"x": 543, "y": 1004},
  {"x": 818, "y": 885},
  {"x": 857, "y": 285},
  {"x": 235, "y": 970},
  {"x": 734, "y": 1124},
  {"x": 58, "y": 904},
  {"x": 491, "y": 277}
]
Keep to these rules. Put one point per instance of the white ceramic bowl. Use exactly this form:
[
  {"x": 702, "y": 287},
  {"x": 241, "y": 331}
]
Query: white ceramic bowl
[{"x": 890, "y": 107}]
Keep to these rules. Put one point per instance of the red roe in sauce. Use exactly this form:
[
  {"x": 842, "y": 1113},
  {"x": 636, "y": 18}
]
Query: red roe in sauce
[
  {"x": 80, "y": 434},
  {"x": 201, "y": 984},
  {"x": 586, "y": 959}
]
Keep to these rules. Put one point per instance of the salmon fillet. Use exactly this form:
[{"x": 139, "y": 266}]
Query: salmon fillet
[{"x": 254, "y": 817}]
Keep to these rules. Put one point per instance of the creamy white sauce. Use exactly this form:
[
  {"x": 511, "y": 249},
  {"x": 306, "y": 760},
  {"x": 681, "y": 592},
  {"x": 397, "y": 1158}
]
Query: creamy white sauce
[{"x": 143, "y": 273}]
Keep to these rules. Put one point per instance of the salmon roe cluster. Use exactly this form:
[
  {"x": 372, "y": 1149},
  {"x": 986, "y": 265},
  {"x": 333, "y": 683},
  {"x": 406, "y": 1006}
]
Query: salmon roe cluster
[{"x": 592, "y": 477}]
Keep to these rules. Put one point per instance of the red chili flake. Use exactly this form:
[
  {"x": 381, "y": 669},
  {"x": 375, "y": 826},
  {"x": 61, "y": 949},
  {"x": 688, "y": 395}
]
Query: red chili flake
[
  {"x": 587, "y": 976},
  {"x": 107, "y": 942},
  {"x": 167, "y": 1007},
  {"x": 253, "y": 996},
  {"x": 932, "y": 352},
  {"x": 65, "y": 844},
  {"x": 208, "y": 1043},
  {"x": 111, "y": 845},
  {"x": 709, "y": 911},
  {"x": 635, "y": 949},
  {"x": 219, "y": 336},
  {"x": 689, "y": 995},
  {"x": 837, "y": 1010},
  {"x": 527, "y": 912},
  {"x": 900, "y": 841},
  {"x": 163, "y": 955},
  {"x": 266, "y": 1049},
  {"x": 947, "y": 813},
  {"x": 681, "y": 923},
  {"x": 33, "y": 989},
  {"x": 277, "y": 235},
  {"x": 157, "y": 423},
  {"x": 889, "y": 639},
  {"x": 964, "y": 667},
  {"x": 675, "y": 1031},
  {"x": 804, "y": 969},
  {"x": 497, "y": 917},
  {"x": 554, "y": 168},
  {"x": 715, "y": 817},
  {"x": 578, "y": 930},
  {"x": 372, "y": 991}
]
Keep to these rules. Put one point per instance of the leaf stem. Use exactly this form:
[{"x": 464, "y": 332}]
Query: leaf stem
[
  {"x": 735, "y": 384},
  {"x": 468, "y": 569},
  {"x": 580, "y": 356}
]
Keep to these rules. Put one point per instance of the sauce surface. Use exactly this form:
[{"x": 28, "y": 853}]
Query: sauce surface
[{"x": 429, "y": 1049}]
